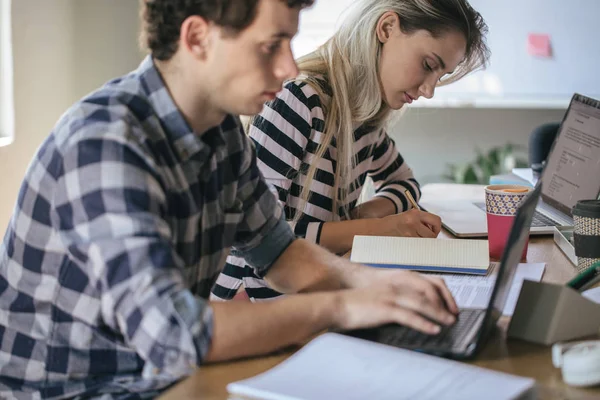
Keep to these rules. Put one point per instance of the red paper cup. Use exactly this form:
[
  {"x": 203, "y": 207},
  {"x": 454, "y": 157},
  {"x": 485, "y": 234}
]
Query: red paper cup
[{"x": 501, "y": 204}]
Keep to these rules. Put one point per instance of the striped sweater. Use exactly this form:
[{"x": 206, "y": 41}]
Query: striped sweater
[{"x": 287, "y": 135}]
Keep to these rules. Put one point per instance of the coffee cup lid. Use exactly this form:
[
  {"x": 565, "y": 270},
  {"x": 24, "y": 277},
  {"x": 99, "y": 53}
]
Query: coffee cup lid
[{"x": 587, "y": 208}]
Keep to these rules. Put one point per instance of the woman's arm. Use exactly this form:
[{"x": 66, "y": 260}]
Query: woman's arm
[
  {"x": 377, "y": 207},
  {"x": 391, "y": 175},
  {"x": 337, "y": 237},
  {"x": 281, "y": 134},
  {"x": 379, "y": 216}
]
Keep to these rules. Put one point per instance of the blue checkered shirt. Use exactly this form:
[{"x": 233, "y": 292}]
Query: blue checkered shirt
[{"x": 122, "y": 224}]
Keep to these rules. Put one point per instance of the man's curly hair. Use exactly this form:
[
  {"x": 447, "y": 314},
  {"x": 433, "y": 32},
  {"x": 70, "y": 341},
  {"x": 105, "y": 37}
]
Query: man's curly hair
[{"x": 162, "y": 19}]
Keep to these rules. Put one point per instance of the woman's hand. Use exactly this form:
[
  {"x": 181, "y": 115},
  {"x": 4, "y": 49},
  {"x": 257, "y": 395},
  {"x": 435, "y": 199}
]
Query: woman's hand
[{"x": 412, "y": 223}]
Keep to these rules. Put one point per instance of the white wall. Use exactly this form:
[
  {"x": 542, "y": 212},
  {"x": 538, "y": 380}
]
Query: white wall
[
  {"x": 62, "y": 50},
  {"x": 105, "y": 40},
  {"x": 430, "y": 138}
]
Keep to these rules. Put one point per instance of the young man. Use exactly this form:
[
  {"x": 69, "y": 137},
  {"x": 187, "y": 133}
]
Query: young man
[{"x": 131, "y": 205}]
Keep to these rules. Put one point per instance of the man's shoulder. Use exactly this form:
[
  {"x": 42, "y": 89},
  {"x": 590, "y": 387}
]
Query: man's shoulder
[
  {"x": 118, "y": 111},
  {"x": 235, "y": 137}
]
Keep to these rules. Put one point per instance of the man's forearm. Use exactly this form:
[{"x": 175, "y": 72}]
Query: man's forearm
[
  {"x": 244, "y": 329},
  {"x": 307, "y": 267}
]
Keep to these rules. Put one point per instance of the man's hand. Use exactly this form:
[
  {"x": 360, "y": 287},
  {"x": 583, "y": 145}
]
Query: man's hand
[
  {"x": 412, "y": 223},
  {"x": 401, "y": 297}
]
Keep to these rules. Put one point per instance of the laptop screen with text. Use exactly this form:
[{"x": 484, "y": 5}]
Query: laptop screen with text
[{"x": 572, "y": 172}]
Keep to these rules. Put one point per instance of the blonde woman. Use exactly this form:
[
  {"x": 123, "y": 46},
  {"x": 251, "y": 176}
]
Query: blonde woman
[{"x": 320, "y": 138}]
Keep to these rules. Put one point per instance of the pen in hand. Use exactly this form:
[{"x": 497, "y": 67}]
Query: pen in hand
[
  {"x": 411, "y": 199},
  {"x": 414, "y": 204}
]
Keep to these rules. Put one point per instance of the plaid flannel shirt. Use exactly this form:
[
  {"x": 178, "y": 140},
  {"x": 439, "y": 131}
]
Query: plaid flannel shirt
[{"x": 122, "y": 224}]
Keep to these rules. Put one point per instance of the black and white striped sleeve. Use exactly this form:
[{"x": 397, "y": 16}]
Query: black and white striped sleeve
[
  {"x": 281, "y": 134},
  {"x": 391, "y": 175}
]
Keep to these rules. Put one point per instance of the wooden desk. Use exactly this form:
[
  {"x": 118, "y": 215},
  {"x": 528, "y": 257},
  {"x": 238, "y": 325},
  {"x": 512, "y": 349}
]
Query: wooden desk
[{"x": 511, "y": 356}]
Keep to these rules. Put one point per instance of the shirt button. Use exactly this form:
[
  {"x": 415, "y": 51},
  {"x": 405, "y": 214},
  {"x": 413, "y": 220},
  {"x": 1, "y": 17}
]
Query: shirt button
[{"x": 155, "y": 371}]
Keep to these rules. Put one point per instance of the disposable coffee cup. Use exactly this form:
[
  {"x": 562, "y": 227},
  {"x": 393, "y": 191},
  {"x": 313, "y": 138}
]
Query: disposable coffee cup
[
  {"x": 586, "y": 233},
  {"x": 501, "y": 204}
]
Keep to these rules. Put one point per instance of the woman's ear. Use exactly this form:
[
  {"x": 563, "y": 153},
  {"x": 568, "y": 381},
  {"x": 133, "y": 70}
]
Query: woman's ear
[{"x": 386, "y": 25}]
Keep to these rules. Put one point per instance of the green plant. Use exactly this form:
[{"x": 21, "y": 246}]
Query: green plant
[{"x": 497, "y": 160}]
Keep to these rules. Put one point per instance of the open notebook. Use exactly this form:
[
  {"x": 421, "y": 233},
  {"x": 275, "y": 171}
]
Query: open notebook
[
  {"x": 458, "y": 256},
  {"x": 335, "y": 366}
]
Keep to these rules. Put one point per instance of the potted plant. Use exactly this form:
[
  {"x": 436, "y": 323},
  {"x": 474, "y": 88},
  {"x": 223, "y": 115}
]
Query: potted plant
[{"x": 497, "y": 160}]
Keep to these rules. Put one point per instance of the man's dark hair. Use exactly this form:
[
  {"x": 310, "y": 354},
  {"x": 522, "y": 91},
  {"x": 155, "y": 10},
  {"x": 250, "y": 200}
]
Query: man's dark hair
[{"x": 162, "y": 19}]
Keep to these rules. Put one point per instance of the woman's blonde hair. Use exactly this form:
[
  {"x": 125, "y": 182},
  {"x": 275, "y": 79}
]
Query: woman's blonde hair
[{"x": 349, "y": 63}]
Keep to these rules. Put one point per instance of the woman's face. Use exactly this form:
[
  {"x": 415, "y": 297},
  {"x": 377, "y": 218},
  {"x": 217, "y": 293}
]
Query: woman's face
[{"x": 412, "y": 64}]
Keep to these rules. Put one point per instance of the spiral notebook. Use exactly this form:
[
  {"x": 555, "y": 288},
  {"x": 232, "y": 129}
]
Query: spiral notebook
[{"x": 456, "y": 256}]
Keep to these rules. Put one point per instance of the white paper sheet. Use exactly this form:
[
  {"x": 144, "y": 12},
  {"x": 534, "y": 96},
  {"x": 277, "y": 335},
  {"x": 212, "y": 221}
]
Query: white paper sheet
[
  {"x": 474, "y": 291},
  {"x": 334, "y": 366},
  {"x": 593, "y": 294}
]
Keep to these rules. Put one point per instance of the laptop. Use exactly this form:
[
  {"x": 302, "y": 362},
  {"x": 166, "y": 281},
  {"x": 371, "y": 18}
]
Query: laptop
[
  {"x": 467, "y": 335},
  {"x": 572, "y": 173}
]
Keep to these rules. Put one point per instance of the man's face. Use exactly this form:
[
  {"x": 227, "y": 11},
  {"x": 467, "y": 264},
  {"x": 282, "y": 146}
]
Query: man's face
[{"x": 248, "y": 69}]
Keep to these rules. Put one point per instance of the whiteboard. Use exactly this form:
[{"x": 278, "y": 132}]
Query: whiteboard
[{"x": 514, "y": 78}]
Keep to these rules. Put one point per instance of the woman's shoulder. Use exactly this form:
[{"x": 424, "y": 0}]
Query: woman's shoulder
[{"x": 308, "y": 89}]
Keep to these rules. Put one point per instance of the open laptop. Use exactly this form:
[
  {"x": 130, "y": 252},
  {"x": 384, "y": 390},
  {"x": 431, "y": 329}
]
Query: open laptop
[
  {"x": 473, "y": 326},
  {"x": 572, "y": 173}
]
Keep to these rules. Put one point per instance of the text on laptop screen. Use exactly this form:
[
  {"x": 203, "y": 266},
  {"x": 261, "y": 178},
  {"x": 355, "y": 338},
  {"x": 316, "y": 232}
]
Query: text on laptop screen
[{"x": 573, "y": 169}]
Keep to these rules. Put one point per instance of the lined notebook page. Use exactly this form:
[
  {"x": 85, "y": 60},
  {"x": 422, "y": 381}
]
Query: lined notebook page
[{"x": 456, "y": 253}]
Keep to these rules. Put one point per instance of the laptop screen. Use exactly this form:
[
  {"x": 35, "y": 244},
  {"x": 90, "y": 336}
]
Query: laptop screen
[
  {"x": 572, "y": 172},
  {"x": 511, "y": 257}
]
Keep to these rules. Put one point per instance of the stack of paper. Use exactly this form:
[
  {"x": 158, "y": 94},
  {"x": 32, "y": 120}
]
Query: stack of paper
[
  {"x": 335, "y": 366},
  {"x": 473, "y": 291},
  {"x": 463, "y": 256}
]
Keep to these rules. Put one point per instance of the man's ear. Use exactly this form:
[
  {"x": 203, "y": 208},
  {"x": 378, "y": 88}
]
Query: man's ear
[
  {"x": 195, "y": 35},
  {"x": 386, "y": 25}
]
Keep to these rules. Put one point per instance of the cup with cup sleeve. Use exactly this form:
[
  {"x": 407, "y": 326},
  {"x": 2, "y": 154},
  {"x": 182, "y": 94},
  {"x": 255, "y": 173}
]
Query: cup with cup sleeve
[{"x": 502, "y": 203}]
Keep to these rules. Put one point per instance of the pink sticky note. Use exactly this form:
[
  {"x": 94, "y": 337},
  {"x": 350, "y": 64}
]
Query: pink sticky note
[{"x": 538, "y": 44}]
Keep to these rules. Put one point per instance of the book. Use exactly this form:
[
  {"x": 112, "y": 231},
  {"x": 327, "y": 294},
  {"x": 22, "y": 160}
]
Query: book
[
  {"x": 458, "y": 256},
  {"x": 335, "y": 366}
]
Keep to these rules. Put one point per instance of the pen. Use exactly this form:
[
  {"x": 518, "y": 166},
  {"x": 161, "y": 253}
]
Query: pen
[
  {"x": 411, "y": 199},
  {"x": 415, "y": 205},
  {"x": 590, "y": 283},
  {"x": 584, "y": 277}
]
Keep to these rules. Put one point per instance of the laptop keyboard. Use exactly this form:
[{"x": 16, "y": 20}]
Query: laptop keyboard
[
  {"x": 448, "y": 338},
  {"x": 539, "y": 219}
]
